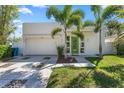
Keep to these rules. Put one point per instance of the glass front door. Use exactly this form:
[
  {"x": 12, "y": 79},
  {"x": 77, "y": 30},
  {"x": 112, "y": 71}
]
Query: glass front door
[{"x": 74, "y": 45}]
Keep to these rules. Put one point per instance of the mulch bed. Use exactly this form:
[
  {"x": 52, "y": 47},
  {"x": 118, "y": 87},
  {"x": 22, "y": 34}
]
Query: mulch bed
[{"x": 67, "y": 60}]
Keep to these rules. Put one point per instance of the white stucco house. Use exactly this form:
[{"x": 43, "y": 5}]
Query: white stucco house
[{"x": 37, "y": 40}]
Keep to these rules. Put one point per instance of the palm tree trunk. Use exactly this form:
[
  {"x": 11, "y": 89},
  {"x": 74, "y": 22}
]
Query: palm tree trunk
[{"x": 100, "y": 44}]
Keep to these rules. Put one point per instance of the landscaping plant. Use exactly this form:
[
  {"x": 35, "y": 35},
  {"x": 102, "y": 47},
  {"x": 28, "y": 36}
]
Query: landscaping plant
[
  {"x": 119, "y": 46},
  {"x": 8, "y": 13},
  {"x": 60, "y": 51},
  {"x": 5, "y": 51}
]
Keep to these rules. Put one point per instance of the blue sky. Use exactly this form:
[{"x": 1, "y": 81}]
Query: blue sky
[{"x": 37, "y": 13}]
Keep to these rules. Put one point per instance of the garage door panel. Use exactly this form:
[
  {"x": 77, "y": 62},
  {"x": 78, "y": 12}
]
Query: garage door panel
[{"x": 40, "y": 47}]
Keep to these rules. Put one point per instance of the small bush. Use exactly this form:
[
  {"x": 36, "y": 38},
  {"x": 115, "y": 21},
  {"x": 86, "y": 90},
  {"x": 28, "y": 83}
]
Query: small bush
[
  {"x": 60, "y": 51},
  {"x": 119, "y": 45},
  {"x": 5, "y": 51},
  {"x": 120, "y": 49}
]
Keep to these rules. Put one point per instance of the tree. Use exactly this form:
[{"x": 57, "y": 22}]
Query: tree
[
  {"x": 114, "y": 27},
  {"x": 101, "y": 16},
  {"x": 67, "y": 18},
  {"x": 12, "y": 40},
  {"x": 89, "y": 23},
  {"x": 8, "y": 13}
]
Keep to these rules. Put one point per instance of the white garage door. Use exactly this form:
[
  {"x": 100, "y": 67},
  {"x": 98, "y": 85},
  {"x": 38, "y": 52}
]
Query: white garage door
[{"x": 40, "y": 46}]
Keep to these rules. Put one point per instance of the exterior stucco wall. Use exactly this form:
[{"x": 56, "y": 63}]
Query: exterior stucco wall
[
  {"x": 38, "y": 28},
  {"x": 91, "y": 43},
  {"x": 37, "y": 31}
]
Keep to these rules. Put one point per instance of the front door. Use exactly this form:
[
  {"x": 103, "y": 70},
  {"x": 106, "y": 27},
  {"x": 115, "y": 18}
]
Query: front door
[{"x": 74, "y": 45}]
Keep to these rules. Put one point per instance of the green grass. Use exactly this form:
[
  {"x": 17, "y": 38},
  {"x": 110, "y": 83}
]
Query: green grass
[
  {"x": 108, "y": 73},
  {"x": 108, "y": 60}
]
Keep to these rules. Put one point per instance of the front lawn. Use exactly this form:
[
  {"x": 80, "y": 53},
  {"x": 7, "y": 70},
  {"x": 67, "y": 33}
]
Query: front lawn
[
  {"x": 108, "y": 60},
  {"x": 108, "y": 73}
]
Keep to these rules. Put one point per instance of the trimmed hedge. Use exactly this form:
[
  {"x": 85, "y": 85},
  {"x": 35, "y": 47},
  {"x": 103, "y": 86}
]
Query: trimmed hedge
[{"x": 5, "y": 51}]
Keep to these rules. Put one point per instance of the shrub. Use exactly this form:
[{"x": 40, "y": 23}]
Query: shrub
[
  {"x": 60, "y": 51},
  {"x": 119, "y": 45},
  {"x": 120, "y": 49},
  {"x": 5, "y": 51}
]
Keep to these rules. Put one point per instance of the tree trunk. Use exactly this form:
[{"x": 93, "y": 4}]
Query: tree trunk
[{"x": 100, "y": 44}]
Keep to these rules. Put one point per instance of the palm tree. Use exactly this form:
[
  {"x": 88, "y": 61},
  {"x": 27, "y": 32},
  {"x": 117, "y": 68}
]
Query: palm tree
[
  {"x": 97, "y": 10},
  {"x": 101, "y": 16},
  {"x": 67, "y": 18}
]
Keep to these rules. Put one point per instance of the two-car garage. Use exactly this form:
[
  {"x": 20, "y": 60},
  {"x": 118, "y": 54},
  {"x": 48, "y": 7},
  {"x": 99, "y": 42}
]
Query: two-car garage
[{"x": 40, "y": 46}]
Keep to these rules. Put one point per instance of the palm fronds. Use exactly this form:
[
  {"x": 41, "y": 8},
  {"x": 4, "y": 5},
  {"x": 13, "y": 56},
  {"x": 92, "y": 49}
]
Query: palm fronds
[
  {"x": 79, "y": 13},
  {"x": 111, "y": 11},
  {"x": 96, "y": 9},
  {"x": 55, "y": 31},
  {"x": 78, "y": 34}
]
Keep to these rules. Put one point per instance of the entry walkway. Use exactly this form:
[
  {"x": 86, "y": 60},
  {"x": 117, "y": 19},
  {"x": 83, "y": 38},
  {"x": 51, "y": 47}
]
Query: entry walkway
[{"x": 81, "y": 62}]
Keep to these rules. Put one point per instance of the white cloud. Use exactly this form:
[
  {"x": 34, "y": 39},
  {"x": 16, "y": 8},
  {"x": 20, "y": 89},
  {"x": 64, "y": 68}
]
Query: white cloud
[
  {"x": 104, "y": 6},
  {"x": 17, "y": 21},
  {"x": 25, "y": 10},
  {"x": 40, "y": 6}
]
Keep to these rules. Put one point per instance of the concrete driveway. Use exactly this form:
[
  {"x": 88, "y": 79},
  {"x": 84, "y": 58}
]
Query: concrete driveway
[
  {"x": 27, "y": 72},
  {"x": 32, "y": 71}
]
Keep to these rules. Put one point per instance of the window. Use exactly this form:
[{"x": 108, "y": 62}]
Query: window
[
  {"x": 82, "y": 50},
  {"x": 68, "y": 50},
  {"x": 82, "y": 46},
  {"x": 68, "y": 38},
  {"x": 68, "y": 44}
]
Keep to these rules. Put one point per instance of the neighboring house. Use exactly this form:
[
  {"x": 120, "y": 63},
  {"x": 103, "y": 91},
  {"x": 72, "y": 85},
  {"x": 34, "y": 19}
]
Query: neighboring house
[
  {"x": 108, "y": 45},
  {"x": 37, "y": 40}
]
